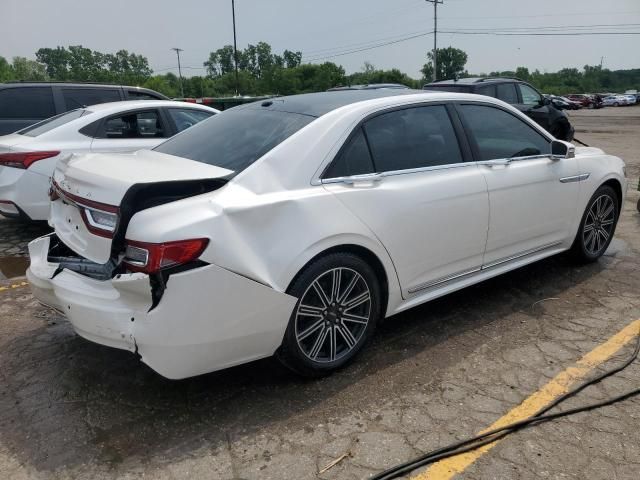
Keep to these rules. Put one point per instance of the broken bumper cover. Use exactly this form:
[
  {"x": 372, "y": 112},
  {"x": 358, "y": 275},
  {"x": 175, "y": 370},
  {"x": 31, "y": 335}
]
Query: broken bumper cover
[{"x": 209, "y": 318}]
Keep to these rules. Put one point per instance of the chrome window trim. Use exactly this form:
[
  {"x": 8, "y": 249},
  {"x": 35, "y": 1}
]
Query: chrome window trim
[{"x": 392, "y": 173}]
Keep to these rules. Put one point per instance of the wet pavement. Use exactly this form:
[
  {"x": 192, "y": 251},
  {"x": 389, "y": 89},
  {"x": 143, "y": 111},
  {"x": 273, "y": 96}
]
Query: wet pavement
[{"x": 432, "y": 375}]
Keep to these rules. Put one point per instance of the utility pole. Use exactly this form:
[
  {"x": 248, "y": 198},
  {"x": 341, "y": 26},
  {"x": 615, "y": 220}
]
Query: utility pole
[
  {"x": 235, "y": 46},
  {"x": 435, "y": 37},
  {"x": 178, "y": 50}
]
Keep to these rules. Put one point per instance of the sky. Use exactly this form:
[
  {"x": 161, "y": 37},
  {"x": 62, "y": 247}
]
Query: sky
[{"x": 322, "y": 29}]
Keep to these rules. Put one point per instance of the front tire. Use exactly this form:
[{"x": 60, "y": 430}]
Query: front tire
[
  {"x": 339, "y": 305},
  {"x": 597, "y": 226}
]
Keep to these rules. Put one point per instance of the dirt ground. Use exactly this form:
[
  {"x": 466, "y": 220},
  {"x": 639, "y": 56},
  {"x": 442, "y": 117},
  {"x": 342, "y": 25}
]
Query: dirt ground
[{"x": 434, "y": 374}]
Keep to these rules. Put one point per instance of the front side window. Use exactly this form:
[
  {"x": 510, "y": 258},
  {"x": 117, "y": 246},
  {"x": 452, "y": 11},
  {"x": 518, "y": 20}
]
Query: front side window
[
  {"x": 145, "y": 124},
  {"x": 499, "y": 134},
  {"x": 83, "y": 97},
  {"x": 236, "y": 138},
  {"x": 507, "y": 92},
  {"x": 26, "y": 102},
  {"x": 529, "y": 95},
  {"x": 187, "y": 117},
  {"x": 354, "y": 158},
  {"x": 53, "y": 122},
  {"x": 412, "y": 138}
]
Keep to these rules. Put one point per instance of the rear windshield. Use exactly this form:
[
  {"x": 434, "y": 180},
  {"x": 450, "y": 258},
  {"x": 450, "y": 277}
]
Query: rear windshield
[
  {"x": 447, "y": 88},
  {"x": 53, "y": 122},
  {"x": 236, "y": 138}
]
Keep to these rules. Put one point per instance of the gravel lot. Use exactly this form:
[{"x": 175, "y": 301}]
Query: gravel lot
[{"x": 437, "y": 373}]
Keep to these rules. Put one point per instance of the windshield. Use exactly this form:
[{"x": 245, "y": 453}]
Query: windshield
[
  {"x": 236, "y": 138},
  {"x": 53, "y": 122}
]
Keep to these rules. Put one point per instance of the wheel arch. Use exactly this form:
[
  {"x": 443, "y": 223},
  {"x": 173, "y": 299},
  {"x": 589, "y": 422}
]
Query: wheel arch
[
  {"x": 387, "y": 278},
  {"x": 617, "y": 187}
]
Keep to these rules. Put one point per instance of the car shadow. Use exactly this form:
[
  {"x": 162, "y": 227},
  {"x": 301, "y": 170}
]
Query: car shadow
[{"x": 67, "y": 402}]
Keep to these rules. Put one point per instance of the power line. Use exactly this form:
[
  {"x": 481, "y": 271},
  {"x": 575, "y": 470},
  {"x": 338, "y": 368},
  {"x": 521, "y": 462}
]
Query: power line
[{"x": 498, "y": 32}]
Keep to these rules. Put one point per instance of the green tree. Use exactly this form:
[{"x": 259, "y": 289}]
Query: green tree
[
  {"x": 55, "y": 60},
  {"x": 451, "y": 63},
  {"x": 6, "y": 71},
  {"x": 25, "y": 69}
]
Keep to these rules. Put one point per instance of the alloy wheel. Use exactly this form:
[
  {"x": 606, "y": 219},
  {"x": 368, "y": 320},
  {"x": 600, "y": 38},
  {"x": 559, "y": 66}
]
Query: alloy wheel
[
  {"x": 598, "y": 225},
  {"x": 332, "y": 315}
]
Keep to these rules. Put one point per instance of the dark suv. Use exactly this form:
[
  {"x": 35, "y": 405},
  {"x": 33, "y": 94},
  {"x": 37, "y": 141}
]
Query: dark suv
[
  {"x": 519, "y": 94},
  {"x": 23, "y": 104}
]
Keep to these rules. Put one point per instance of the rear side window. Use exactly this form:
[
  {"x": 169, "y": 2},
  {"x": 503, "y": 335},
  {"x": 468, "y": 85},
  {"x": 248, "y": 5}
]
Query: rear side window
[
  {"x": 136, "y": 95},
  {"x": 26, "y": 102},
  {"x": 448, "y": 88},
  {"x": 53, "y": 122},
  {"x": 353, "y": 159},
  {"x": 412, "y": 138},
  {"x": 236, "y": 138},
  {"x": 145, "y": 124},
  {"x": 82, "y": 97},
  {"x": 507, "y": 92},
  {"x": 187, "y": 117},
  {"x": 499, "y": 134}
]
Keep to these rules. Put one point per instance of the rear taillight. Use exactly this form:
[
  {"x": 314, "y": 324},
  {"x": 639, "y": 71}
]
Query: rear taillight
[
  {"x": 100, "y": 218},
  {"x": 152, "y": 257},
  {"x": 24, "y": 160}
]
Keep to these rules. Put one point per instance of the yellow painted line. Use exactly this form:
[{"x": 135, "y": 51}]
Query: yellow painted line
[
  {"x": 13, "y": 286},
  {"x": 449, "y": 467}
]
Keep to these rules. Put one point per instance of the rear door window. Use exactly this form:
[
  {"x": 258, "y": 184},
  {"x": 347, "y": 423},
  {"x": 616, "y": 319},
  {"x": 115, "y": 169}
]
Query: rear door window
[
  {"x": 488, "y": 90},
  {"x": 507, "y": 92},
  {"x": 82, "y": 97},
  {"x": 26, "y": 102},
  {"x": 143, "y": 124},
  {"x": 500, "y": 135},
  {"x": 412, "y": 138}
]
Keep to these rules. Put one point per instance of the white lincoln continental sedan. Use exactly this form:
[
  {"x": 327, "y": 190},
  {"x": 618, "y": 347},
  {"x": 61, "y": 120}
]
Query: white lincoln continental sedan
[{"x": 293, "y": 226}]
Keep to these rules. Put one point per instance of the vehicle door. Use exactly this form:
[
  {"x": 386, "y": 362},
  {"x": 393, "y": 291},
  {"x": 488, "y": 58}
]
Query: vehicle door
[
  {"x": 403, "y": 173},
  {"x": 533, "y": 197},
  {"x": 131, "y": 131},
  {"x": 532, "y": 104}
]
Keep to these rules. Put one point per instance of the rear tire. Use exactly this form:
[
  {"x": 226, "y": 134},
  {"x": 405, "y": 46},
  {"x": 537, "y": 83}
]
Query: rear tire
[
  {"x": 339, "y": 305},
  {"x": 597, "y": 226}
]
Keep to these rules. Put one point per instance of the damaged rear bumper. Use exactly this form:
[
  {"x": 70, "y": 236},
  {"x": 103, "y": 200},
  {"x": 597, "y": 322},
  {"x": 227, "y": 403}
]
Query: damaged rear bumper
[{"x": 209, "y": 318}]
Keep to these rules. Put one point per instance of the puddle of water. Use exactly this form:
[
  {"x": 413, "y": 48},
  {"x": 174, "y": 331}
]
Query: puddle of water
[{"x": 13, "y": 267}]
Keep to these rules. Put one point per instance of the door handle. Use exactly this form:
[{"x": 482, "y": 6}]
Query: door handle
[
  {"x": 497, "y": 163},
  {"x": 366, "y": 178}
]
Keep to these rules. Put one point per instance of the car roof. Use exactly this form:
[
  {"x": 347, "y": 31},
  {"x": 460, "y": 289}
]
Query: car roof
[
  {"x": 317, "y": 104},
  {"x": 369, "y": 86},
  {"x": 133, "y": 104},
  {"x": 474, "y": 80}
]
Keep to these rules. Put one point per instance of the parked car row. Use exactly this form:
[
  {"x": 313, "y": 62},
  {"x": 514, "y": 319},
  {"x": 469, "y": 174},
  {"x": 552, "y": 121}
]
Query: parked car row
[{"x": 294, "y": 225}]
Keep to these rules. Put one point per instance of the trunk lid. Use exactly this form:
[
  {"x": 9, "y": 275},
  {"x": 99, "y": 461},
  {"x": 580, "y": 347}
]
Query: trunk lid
[
  {"x": 7, "y": 142},
  {"x": 112, "y": 188}
]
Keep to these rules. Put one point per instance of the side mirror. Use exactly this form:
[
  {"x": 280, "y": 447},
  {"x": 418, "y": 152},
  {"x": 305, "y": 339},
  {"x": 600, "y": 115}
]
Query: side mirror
[
  {"x": 545, "y": 101},
  {"x": 560, "y": 150}
]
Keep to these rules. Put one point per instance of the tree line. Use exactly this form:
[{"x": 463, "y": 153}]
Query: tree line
[{"x": 262, "y": 71}]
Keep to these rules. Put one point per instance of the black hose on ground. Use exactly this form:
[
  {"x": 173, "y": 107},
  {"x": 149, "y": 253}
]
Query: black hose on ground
[{"x": 539, "y": 417}]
